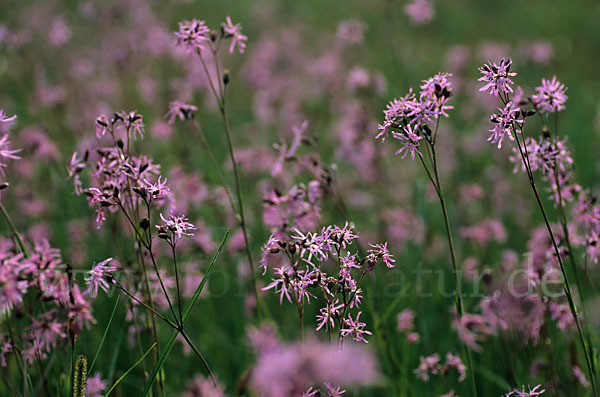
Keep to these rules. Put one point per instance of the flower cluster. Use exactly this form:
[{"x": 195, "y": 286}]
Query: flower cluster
[
  {"x": 505, "y": 124},
  {"x": 299, "y": 208},
  {"x": 195, "y": 36},
  {"x": 409, "y": 119},
  {"x": 40, "y": 273},
  {"x": 306, "y": 271},
  {"x": 6, "y": 153},
  {"x": 431, "y": 365},
  {"x": 118, "y": 180},
  {"x": 550, "y": 96},
  {"x": 298, "y": 369},
  {"x": 497, "y": 77},
  {"x": 529, "y": 393}
]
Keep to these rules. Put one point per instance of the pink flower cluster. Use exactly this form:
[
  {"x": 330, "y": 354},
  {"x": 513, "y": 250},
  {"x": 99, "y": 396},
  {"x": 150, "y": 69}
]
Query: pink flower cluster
[
  {"x": 40, "y": 272},
  {"x": 306, "y": 271},
  {"x": 299, "y": 369},
  {"x": 410, "y": 119}
]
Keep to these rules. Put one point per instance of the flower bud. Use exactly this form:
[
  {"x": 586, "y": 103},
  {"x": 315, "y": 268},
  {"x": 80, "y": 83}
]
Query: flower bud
[{"x": 145, "y": 224}]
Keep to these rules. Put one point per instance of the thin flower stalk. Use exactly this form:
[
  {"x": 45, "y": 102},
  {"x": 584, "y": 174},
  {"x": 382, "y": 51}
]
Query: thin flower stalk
[
  {"x": 220, "y": 98},
  {"x": 458, "y": 293}
]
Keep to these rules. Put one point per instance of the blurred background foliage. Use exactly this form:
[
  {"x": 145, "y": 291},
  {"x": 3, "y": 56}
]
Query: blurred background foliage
[{"x": 110, "y": 61}]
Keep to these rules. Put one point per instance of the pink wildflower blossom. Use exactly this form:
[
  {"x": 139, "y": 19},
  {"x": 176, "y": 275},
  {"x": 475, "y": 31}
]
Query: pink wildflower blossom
[
  {"x": 497, "y": 77},
  {"x": 550, "y": 96},
  {"x": 235, "y": 33}
]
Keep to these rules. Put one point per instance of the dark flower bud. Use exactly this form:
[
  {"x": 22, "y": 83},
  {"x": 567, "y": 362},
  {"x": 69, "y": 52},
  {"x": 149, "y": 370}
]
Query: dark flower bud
[
  {"x": 447, "y": 92},
  {"x": 4, "y": 185},
  {"x": 530, "y": 113},
  {"x": 213, "y": 35},
  {"x": 292, "y": 248},
  {"x": 226, "y": 77},
  {"x": 487, "y": 277},
  {"x": 426, "y": 131},
  {"x": 163, "y": 234},
  {"x": 120, "y": 144},
  {"x": 274, "y": 250},
  {"x": 17, "y": 311},
  {"x": 546, "y": 132},
  {"x": 145, "y": 223},
  {"x": 371, "y": 262},
  {"x": 140, "y": 191},
  {"x": 144, "y": 167}
]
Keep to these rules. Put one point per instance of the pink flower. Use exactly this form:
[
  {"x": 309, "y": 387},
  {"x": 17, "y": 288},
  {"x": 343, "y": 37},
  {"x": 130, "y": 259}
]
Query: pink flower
[
  {"x": 456, "y": 363},
  {"x": 6, "y": 349},
  {"x": 420, "y": 12},
  {"x": 193, "y": 35},
  {"x": 550, "y": 96},
  {"x": 412, "y": 338},
  {"x": 328, "y": 313},
  {"x": 95, "y": 386},
  {"x": 203, "y": 387},
  {"x": 97, "y": 277},
  {"x": 6, "y": 152},
  {"x": 334, "y": 391},
  {"x": 132, "y": 122},
  {"x": 497, "y": 77},
  {"x": 235, "y": 33},
  {"x": 355, "y": 328},
  {"x": 406, "y": 320},
  {"x": 290, "y": 370},
  {"x": 531, "y": 393},
  {"x": 177, "y": 225},
  {"x": 580, "y": 376},
  {"x": 409, "y": 140},
  {"x": 181, "y": 111},
  {"x": 102, "y": 125},
  {"x": 156, "y": 190},
  {"x": 281, "y": 285},
  {"x": 428, "y": 365},
  {"x": 504, "y": 124},
  {"x": 351, "y": 31},
  {"x": 381, "y": 252},
  {"x": 6, "y": 123}
]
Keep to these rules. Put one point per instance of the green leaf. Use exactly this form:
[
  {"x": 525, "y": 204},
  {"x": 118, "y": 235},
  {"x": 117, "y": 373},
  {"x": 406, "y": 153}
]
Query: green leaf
[
  {"x": 105, "y": 333},
  {"x": 130, "y": 369},
  {"x": 186, "y": 313},
  {"x": 493, "y": 377}
]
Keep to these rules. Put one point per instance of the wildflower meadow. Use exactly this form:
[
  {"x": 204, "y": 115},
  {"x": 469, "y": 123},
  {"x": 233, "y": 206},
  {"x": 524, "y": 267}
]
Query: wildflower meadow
[{"x": 294, "y": 199}]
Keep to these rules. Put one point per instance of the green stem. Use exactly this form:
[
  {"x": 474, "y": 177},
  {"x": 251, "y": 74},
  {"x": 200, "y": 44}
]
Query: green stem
[
  {"x": 14, "y": 231},
  {"x": 202, "y": 359},
  {"x": 238, "y": 191},
  {"x": 458, "y": 301},
  {"x": 215, "y": 165}
]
